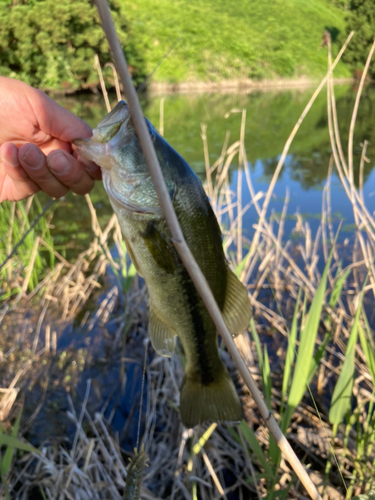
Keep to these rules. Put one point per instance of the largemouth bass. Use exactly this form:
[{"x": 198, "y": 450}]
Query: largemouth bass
[{"x": 175, "y": 308}]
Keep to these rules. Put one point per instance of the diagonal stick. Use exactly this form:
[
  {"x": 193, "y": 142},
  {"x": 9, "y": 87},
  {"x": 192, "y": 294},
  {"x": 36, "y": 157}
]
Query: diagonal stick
[{"x": 184, "y": 251}]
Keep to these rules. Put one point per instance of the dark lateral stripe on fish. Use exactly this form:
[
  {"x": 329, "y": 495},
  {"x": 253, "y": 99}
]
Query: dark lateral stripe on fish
[{"x": 191, "y": 294}]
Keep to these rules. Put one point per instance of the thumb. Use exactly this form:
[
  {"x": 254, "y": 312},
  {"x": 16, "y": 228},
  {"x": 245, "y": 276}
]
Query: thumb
[{"x": 57, "y": 121}]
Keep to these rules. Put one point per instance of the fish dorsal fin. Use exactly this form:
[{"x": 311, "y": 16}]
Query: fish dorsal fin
[
  {"x": 237, "y": 307},
  {"x": 159, "y": 248},
  {"x": 163, "y": 336}
]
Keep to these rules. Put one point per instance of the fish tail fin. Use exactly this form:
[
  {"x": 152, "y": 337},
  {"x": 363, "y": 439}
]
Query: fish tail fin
[{"x": 217, "y": 401}]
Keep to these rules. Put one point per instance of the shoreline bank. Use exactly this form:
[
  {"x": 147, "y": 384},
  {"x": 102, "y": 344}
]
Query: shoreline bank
[
  {"x": 239, "y": 85},
  {"x": 243, "y": 86}
]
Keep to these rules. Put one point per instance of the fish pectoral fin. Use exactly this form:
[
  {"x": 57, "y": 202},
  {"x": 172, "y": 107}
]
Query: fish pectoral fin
[
  {"x": 237, "y": 308},
  {"x": 159, "y": 248},
  {"x": 132, "y": 256},
  {"x": 163, "y": 336}
]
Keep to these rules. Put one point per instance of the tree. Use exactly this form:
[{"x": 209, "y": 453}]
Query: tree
[
  {"x": 361, "y": 20},
  {"x": 51, "y": 44}
]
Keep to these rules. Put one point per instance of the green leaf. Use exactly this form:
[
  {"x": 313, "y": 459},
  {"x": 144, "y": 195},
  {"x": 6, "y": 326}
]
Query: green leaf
[
  {"x": 339, "y": 283},
  {"x": 130, "y": 274},
  {"x": 318, "y": 356},
  {"x": 368, "y": 352},
  {"x": 342, "y": 394},
  {"x": 16, "y": 443},
  {"x": 8, "y": 456},
  {"x": 252, "y": 441},
  {"x": 364, "y": 497},
  {"x": 255, "y": 336},
  {"x": 289, "y": 360},
  {"x": 306, "y": 348},
  {"x": 267, "y": 387},
  {"x": 266, "y": 376},
  {"x": 203, "y": 440},
  {"x": 241, "y": 266}
]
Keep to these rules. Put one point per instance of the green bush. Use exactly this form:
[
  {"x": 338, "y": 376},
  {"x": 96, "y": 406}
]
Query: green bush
[
  {"x": 361, "y": 20},
  {"x": 51, "y": 44}
]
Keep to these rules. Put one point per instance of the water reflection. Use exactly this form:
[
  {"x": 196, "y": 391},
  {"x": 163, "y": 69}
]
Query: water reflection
[{"x": 270, "y": 117}]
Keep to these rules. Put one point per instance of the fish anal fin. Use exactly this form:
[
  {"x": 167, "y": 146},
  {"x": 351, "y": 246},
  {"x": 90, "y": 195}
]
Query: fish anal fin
[
  {"x": 237, "y": 308},
  {"x": 159, "y": 248},
  {"x": 216, "y": 402},
  {"x": 163, "y": 337}
]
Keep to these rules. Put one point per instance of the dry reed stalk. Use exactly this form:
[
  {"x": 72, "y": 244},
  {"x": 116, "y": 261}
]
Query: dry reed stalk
[
  {"x": 361, "y": 217},
  {"x": 354, "y": 115},
  {"x": 230, "y": 154},
  {"x": 103, "y": 306},
  {"x": 56, "y": 254},
  {"x": 29, "y": 202},
  {"x": 340, "y": 161},
  {"x": 39, "y": 325},
  {"x": 166, "y": 460},
  {"x": 241, "y": 160},
  {"x": 98, "y": 232},
  {"x": 289, "y": 141},
  {"x": 206, "y": 159},
  {"x": 250, "y": 464},
  {"x": 30, "y": 267},
  {"x": 7, "y": 400},
  {"x": 54, "y": 342},
  {"x": 213, "y": 473},
  {"x": 48, "y": 338},
  {"x": 161, "y": 116},
  {"x": 50, "y": 278},
  {"x": 361, "y": 168},
  {"x": 115, "y": 77},
  {"x": 102, "y": 83},
  {"x": 278, "y": 256}
]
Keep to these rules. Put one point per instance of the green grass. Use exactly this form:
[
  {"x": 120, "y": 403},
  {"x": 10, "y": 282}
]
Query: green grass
[
  {"x": 225, "y": 40},
  {"x": 15, "y": 220}
]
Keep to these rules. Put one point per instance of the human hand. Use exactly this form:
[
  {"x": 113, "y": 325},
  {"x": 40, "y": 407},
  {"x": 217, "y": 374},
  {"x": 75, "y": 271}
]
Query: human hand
[{"x": 35, "y": 145}]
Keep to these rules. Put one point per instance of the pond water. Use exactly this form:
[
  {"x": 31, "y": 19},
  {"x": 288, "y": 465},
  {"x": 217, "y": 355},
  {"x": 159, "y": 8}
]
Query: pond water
[{"x": 270, "y": 117}]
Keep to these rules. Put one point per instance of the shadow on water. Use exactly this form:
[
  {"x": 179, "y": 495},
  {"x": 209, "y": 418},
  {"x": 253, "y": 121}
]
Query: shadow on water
[{"x": 270, "y": 117}]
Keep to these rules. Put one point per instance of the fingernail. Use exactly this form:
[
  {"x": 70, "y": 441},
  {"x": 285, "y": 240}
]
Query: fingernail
[
  {"x": 58, "y": 163},
  {"x": 33, "y": 157},
  {"x": 12, "y": 162}
]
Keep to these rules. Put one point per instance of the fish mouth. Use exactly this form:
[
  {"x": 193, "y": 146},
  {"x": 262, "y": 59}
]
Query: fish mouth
[
  {"x": 111, "y": 123},
  {"x": 97, "y": 146}
]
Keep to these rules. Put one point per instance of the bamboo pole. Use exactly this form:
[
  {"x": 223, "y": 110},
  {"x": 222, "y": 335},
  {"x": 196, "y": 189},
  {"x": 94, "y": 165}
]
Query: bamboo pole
[{"x": 184, "y": 251}]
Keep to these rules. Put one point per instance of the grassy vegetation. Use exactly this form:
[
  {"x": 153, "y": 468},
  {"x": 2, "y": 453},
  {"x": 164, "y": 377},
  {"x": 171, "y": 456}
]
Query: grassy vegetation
[
  {"x": 226, "y": 40},
  {"x": 52, "y": 46},
  {"x": 27, "y": 268}
]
